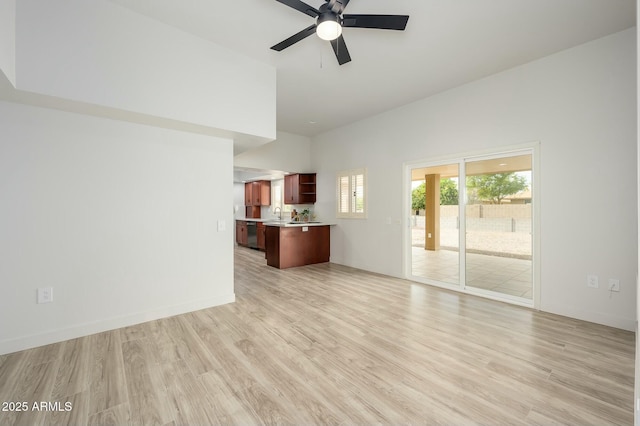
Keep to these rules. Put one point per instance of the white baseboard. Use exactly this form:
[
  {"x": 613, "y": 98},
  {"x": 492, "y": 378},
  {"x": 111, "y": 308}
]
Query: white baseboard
[
  {"x": 589, "y": 316},
  {"x": 86, "y": 329}
]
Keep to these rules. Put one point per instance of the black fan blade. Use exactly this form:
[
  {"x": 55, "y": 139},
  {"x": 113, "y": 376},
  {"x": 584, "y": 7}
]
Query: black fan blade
[
  {"x": 341, "y": 51},
  {"x": 311, "y": 29},
  {"x": 382, "y": 22},
  {"x": 337, "y": 6},
  {"x": 301, "y": 7}
]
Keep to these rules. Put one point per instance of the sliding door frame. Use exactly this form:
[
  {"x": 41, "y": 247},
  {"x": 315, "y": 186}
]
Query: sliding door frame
[{"x": 461, "y": 160}]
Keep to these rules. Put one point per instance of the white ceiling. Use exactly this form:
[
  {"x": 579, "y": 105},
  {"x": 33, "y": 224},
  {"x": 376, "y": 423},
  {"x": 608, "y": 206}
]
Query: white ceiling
[{"x": 447, "y": 43}]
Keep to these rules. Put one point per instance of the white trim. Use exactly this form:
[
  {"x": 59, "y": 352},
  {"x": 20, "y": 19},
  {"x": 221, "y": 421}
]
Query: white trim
[
  {"x": 406, "y": 214},
  {"x": 351, "y": 174},
  {"x": 86, "y": 329},
  {"x": 452, "y": 158},
  {"x": 576, "y": 312},
  {"x": 534, "y": 149},
  {"x": 537, "y": 253},
  {"x": 462, "y": 229}
]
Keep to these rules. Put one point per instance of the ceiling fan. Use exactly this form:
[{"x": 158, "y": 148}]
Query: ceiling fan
[{"x": 330, "y": 21}]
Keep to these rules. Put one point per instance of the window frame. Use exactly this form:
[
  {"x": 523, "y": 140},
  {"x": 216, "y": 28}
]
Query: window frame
[{"x": 352, "y": 194}]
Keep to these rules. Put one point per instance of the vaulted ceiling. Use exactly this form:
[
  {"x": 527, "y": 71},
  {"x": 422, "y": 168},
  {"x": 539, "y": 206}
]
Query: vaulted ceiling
[{"x": 447, "y": 43}]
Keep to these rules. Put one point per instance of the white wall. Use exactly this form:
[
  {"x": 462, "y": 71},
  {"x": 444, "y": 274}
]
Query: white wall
[
  {"x": 289, "y": 153},
  {"x": 580, "y": 105},
  {"x": 119, "y": 218},
  {"x": 100, "y": 53},
  {"x": 8, "y": 39}
]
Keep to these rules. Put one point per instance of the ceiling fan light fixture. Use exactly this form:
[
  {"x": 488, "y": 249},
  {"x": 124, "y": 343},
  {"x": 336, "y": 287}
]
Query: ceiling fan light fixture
[
  {"x": 329, "y": 20},
  {"x": 328, "y": 26}
]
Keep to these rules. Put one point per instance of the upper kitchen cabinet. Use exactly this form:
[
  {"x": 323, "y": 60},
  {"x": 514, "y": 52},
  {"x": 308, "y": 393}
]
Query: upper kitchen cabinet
[
  {"x": 248, "y": 192},
  {"x": 300, "y": 188},
  {"x": 257, "y": 193}
]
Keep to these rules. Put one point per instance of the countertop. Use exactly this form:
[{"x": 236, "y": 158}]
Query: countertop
[
  {"x": 288, "y": 224},
  {"x": 285, "y": 223}
]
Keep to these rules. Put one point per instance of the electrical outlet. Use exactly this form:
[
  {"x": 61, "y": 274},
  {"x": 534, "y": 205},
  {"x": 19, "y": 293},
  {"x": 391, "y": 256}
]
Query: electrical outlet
[
  {"x": 45, "y": 295},
  {"x": 614, "y": 284},
  {"x": 592, "y": 281}
]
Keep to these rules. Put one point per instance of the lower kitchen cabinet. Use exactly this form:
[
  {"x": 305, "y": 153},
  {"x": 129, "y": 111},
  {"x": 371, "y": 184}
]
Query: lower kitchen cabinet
[
  {"x": 287, "y": 247},
  {"x": 241, "y": 233},
  {"x": 261, "y": 236}
]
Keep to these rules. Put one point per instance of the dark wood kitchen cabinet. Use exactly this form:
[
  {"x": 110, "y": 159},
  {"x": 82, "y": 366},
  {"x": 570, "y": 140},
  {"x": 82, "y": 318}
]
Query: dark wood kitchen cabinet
[
  {"x": 288, "y": 247},
  {"x": 260, "y": 233},
  {"x": 300, "y": 188},
  {"x": 257, "y": 193},
  {"x": 241, "y": 233},
  {"x": 248, "y": 193}
]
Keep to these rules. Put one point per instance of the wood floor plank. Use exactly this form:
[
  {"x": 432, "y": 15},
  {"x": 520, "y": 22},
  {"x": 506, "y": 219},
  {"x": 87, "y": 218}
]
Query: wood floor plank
[
  {"x": 561, "y": 412},
  {"x": 611, "y": 393},
  {"x": 190, "y": 347},
  {"x": 263, "y": 407},
  {"x": 45, "y": 354},
  {"x": 74, "y": 369},
  {"x": 309, "y": 407},
  {"x": 108, "y": 382},
  {"x": 223, "y": 402},
  {"x": 116, "y": 415},
  {"x": 147, "y": 394},
  {"x": 287, "y": 356},
  {"x": 77, "y": 414},
  {"x": 329, "y": 344},
  {"x": 36, "y": 386},
  {"x": 12, "y": 370},
  {"x": 187, "y": 396},
  {"x": 165, "y": 349},
  {"x": 539, "y": 389},
  {"x": 134, "y": 332},
  {"x": 234, "y": 372}
]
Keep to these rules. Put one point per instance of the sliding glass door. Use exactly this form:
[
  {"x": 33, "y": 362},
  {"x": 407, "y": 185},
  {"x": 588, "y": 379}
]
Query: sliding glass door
[
  {"x": 498, "y": 217},
  {"x": 471, "y": 225},
  {"x": 435, "y": 222}
]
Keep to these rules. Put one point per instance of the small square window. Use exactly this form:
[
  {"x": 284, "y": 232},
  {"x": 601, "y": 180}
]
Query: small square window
[{"x": 351, "y": 194}]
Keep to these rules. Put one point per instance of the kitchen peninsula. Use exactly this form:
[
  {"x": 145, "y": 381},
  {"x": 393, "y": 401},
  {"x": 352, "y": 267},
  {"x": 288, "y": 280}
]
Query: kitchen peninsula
[{"x": 296, "y": 244}]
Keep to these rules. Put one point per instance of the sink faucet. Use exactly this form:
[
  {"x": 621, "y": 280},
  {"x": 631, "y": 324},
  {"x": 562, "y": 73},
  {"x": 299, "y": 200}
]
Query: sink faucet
[{"x": 278, "y": 209}]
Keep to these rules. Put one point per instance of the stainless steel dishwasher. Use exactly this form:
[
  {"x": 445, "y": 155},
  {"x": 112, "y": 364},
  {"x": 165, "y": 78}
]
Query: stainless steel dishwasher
[{"x": 252, "y": 234}]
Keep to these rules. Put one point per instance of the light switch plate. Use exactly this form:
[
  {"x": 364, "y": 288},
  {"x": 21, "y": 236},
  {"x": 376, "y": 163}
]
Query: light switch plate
[{"x": 222, "y": 226}]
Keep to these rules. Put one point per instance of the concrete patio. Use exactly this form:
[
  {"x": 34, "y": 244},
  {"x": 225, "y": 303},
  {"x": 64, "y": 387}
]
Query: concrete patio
[{"x": 496, "y": 261}]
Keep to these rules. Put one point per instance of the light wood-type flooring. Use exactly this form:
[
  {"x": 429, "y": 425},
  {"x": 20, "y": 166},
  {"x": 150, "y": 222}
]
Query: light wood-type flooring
[{"x": 327, "y": 344}]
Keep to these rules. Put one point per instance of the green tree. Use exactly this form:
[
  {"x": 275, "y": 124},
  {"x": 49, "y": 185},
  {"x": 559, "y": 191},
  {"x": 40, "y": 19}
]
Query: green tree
[
  {"x": 496, "y": 187},
  {"x": 448, "y": 192},
  {"x": 417, "y": 197}
]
